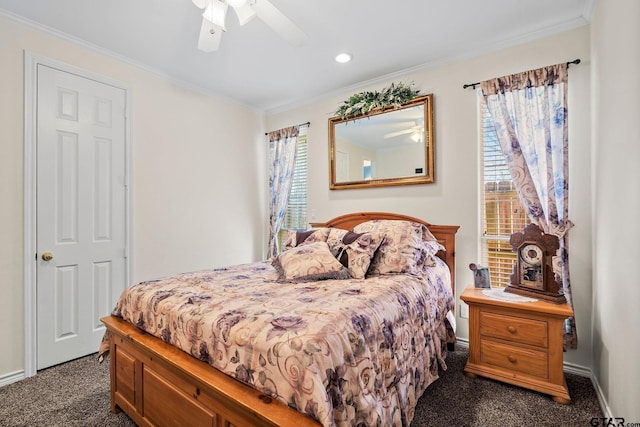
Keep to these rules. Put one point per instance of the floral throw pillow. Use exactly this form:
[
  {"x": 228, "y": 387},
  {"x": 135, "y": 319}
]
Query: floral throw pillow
[
  {"x": 427, "y": 235},
  {"x": 334, "y": 240},
  {"x": 401, "y": 251},
  {"x": 304, "y": 237},
  {"x": 357, "y": 251},
  {"x": 309, "y": 262}
]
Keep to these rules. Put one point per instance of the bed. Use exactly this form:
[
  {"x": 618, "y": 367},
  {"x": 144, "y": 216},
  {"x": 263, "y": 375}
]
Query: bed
[{"x": 331, "y": 348}]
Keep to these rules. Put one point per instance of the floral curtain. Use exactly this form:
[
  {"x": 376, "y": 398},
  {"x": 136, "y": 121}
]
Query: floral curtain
[
  {"x": 529, "y": 111},
  {"x": 282, "y": 159}
]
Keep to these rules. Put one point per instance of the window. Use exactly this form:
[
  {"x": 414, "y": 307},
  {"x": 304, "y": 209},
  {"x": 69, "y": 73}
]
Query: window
[
  {"x": 366, "y": 169},
  {"x": 295, "y": 217},
  {"x": 501, "y": 210}
]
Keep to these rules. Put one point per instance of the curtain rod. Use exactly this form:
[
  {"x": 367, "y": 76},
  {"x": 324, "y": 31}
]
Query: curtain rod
[
  {"x": 301, "y": 124},
  {"x": 473, "y": 85}
]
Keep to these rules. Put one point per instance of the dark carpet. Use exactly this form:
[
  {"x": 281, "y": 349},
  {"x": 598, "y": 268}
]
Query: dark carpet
[
  {"x": 455, "y": 400},
  {"x": 77, "y": 394}
]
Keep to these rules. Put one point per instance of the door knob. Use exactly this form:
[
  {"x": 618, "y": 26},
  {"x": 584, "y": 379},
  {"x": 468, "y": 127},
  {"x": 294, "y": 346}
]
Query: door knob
[{"x": 47, "y": 256}]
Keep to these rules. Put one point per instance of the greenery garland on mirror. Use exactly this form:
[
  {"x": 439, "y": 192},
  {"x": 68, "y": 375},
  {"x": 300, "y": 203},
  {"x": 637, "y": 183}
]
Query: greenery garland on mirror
[{"x": 362, "y": 103}]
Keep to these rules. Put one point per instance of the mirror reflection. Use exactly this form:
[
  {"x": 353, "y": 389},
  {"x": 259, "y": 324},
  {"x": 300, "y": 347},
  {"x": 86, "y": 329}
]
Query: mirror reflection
[{"x": 392, "y": 147}]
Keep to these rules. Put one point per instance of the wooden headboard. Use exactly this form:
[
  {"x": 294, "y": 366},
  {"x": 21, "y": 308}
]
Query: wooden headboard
[{"x": 446, "y": 234}]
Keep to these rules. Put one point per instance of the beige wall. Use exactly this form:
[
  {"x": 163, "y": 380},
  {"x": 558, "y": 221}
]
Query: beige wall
[
  {"x": 197, "y": 164},
  {"x": 615, "y": 44},
  {"x": 453, "y": 199}
]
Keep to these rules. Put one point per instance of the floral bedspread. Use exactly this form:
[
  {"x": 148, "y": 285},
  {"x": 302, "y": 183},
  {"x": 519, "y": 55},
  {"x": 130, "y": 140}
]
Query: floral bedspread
[{"x": 344, "y": 352}]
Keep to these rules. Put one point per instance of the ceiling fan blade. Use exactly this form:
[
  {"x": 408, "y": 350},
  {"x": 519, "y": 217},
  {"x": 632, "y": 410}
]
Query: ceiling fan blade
[
  {"x": 210, "y": 36},
  {"x": 401, "y": 125},
  {"x": 398, "y": 133},
  {"x": 279, "y": 23}
]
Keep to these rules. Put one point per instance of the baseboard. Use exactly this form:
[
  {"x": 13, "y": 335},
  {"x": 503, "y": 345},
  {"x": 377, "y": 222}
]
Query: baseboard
[
  {"x": 13, "y": 377},
  {"x": 606, "y": 410},
  {"x": 577, "y": 369}
]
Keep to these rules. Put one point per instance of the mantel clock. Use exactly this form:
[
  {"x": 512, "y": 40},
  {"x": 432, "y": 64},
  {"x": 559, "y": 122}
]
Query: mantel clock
[{"x": 533, "y": 271}]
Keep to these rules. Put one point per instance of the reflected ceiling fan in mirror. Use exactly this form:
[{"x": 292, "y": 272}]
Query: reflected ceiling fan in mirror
[
  {"x": 214, "y": 15},
  {"x": 415, "y": 129}
]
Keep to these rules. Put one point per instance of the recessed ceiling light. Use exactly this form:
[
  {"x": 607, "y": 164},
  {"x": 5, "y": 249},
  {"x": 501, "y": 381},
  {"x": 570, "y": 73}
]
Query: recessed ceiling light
[{"x": 343, "y": 58}]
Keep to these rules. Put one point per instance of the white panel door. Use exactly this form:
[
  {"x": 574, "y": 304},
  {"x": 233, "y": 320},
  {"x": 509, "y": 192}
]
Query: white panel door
[{"x": 81, "y": 215}]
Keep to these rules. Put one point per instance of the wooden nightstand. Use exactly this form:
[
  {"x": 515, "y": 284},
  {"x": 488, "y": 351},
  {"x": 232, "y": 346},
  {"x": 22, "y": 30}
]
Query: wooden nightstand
[{"x": 517, "y": 343}]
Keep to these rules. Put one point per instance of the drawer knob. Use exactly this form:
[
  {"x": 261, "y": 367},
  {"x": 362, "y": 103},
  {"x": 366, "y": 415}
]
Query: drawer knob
[
  {"x": 512, "y": 359},
  {"x": 512, "y": 329}
]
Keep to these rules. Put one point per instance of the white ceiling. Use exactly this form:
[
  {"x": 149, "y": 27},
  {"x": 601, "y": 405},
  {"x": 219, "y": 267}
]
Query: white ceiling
[{"x": 257, "y": 68}]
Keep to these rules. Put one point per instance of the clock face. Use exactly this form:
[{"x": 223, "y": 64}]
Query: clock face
[
  {"x": 531, "y": 266},
  {"x": 531, "y": 254}
]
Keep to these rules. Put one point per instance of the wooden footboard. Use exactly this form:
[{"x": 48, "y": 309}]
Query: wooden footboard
[{"x": 157, "y": 384}]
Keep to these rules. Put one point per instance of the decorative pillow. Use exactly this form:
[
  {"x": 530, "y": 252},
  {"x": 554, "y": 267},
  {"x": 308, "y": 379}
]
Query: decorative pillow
[
  {"x": 334, "y": 240},
  {"x": 307, "y": 263},
  {"x": 402, "y": 250},
  {"x": 304, "y": 237},
  {"x": 427, "y": 236},
  {"x": 357, "y": 252},
  {"x": 432, "y": 247}
]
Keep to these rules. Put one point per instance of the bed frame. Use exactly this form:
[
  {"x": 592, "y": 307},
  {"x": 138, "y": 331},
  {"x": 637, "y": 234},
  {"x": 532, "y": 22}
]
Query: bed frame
[{"x": 158, "y": 384}]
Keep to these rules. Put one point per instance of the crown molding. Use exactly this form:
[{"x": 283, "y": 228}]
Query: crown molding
[
  {"x": 52, "y": 32},
  {"x": 465, "y": 55},
  {"x": 295, "y": 103}
]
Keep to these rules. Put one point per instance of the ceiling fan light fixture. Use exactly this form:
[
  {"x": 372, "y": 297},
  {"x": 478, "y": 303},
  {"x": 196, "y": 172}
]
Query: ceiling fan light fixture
[
  {"x": 216, "y": 12},
  {"x": 343, "y": 58},
  {"x": 210, "y": 37}
]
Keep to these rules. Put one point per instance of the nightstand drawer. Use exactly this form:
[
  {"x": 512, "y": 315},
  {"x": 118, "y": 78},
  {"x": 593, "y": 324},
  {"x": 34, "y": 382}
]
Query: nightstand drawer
[
  {"x": 517, "y": 329},
  {"x": 529, "y": 362}
]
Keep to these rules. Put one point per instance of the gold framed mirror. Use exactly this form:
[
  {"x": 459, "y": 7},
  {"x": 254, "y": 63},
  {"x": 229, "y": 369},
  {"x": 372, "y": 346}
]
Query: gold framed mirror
[{"x": 386, "y": 147}]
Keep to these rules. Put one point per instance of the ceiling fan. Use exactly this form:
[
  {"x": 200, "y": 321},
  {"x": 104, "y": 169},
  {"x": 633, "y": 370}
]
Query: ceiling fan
[{"x": 215, "y": 11}]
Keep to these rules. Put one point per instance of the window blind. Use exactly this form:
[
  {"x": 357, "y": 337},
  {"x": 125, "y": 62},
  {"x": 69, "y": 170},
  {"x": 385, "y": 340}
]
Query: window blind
[
  {"x": 501, "y": 210},
  {"x": 295, "y": 217},
  {"x": 296, "y": 213}
]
